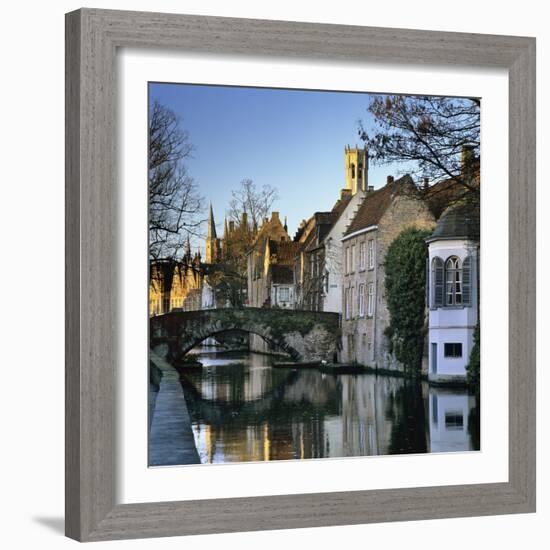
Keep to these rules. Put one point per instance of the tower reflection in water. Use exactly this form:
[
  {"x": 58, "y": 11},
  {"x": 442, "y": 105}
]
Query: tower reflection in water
[{"x": 242, "y": 409}]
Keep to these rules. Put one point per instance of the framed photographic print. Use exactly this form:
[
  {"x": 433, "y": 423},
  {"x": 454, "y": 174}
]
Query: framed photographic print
[{"x": 289, "y": 251}]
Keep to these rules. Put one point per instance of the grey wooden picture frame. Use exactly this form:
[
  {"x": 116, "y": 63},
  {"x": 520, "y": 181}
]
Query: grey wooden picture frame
[{"x": 92, "y": 39}]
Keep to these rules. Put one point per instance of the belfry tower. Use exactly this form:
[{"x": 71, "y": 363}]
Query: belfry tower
[
  {"x": 213, "y": 248},
  {"x": 357, "y": 169}
]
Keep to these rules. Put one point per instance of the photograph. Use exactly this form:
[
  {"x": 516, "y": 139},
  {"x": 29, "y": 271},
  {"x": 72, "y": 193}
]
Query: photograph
[{"x": 313, "y": 274}]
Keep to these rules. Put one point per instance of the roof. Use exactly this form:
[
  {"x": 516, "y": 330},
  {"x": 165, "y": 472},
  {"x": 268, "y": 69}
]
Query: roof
[
  {"x": 284, "y": 250},
  {"x": 458, "y": 221},
  {"x": 440, "y": 195},
  {"x": 272, "y": 229},
  {"x": 377, "y": 202},
  {"x": 282, "y": 274},
  {"x": 340, "y": 205}
]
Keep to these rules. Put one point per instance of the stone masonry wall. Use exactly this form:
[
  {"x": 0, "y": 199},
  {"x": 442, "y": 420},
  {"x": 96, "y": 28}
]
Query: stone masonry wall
[
  {"x": 363, "y": 338},
  {"x": 404, "y": 212}
]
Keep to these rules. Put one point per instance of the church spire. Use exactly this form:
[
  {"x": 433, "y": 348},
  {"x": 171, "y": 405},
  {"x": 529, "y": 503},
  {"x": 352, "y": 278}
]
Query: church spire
[
  {"x": 211, "y": 224},
  {"x": 285, "y": 226},
  {"x": 213, "y": 251},
  {"x": 188, "y": 248}
]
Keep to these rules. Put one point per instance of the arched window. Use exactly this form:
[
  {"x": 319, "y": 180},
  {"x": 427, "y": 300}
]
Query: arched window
[
  {"x": 353, "y": 171},
  {"x": 437, "y": 282},
  {"x": 453, "y": 282}
]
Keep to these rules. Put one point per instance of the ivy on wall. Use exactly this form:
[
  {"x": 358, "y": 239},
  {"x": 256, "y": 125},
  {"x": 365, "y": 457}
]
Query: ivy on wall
[{"x": 405, "y": 285}]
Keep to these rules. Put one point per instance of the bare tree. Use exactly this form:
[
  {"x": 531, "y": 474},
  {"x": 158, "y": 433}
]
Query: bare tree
[
  {"x": 230, "y": 277},
  {"x": 175, "y": 205},
  {"x": 427, "y": 132},
  {"x": 254, "y": 202}
]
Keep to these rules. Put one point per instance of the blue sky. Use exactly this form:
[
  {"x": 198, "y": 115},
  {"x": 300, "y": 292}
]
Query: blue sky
[{"x": 292, "y": 140}]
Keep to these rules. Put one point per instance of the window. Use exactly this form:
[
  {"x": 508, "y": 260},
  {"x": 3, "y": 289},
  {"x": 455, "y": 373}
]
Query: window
[
  {"x": 360, "y": 170},
  {"x": 346, "y": 260},
  {"x": 453, "y": 282},
  {"x": 351, "y": 312},
  {"x": 454, "y": 420},
  {"x": 370, "y": 302},
  {"x": 352, "y": 259},
  {"x": 371, "y": 253},
  {"x": 453, "y": 350},
  {"x": 361, "y": 300},
  {"x": 362, "y": 255},
  {"x": 283, "y": 294},
  {"x": 353, "y": 171}
]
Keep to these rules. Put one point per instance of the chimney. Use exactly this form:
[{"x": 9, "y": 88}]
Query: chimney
[
  {"x": 370, "y": 188},
  {"x": 244, "y": 219},
  {"x": 345, "y": 193},
  {"x": 389, "y": 179},
  {"x": 231, "y": 226},
  {"x": 274, "y": 216},
  {"x": 426, "y": 184}
]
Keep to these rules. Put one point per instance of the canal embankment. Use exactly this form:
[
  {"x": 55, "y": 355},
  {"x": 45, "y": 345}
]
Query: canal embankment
[
  {"x": 171, "y": 440},
  {"x": 357, "y": 368}
]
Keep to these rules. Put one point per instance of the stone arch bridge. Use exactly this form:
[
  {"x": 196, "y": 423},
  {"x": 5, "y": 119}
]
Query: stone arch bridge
[{"x": 304, "y": 335}]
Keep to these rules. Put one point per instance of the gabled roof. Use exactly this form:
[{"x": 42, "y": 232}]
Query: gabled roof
[
  {"x": 377, "y": 202},
  {"x": 340, "y": 205},
  {"x": 284, "y": 250}
]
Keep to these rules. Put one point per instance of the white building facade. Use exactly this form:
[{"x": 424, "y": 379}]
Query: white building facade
[
  {"x": 333, "y": 267},
  {"x": 453, "y": 293}
]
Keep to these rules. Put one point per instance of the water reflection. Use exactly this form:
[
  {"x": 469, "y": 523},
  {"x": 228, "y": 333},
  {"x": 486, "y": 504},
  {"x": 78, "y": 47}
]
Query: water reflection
[{"x": 242, "y": 409}]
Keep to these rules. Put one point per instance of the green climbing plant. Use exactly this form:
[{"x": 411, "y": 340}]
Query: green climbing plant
[
  {"x": 405, "y": 285},
  {"x": 472, "y": 369}
]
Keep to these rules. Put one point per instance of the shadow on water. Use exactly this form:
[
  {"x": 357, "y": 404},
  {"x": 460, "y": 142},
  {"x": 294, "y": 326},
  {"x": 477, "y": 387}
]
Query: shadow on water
[
  {"x": 406, "y": 412},
  {"x": 242, "y": 409}
]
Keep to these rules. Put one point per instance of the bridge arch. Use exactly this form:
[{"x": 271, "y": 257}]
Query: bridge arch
[
  {"x": 304, "y": 335},
  {"x": 283, "y": 346}
]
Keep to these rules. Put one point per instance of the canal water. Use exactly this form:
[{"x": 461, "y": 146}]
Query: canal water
[{"x": 243, "y": 409}]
